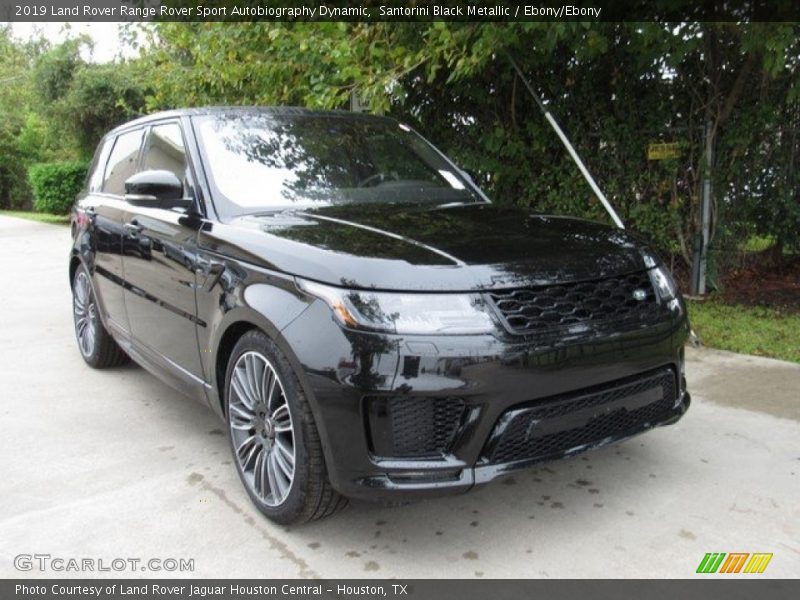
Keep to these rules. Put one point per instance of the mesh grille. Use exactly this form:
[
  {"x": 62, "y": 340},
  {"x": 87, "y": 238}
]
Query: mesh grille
[
  {"x": 531, "y": 310},
  {"x": 611, "y": 411},
  {"x": 424, "y": 426}
]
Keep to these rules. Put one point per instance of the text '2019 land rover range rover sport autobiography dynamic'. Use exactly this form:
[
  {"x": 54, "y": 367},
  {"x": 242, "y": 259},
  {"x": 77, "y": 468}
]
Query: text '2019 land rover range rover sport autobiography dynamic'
[{"x": 367, "y": 323}]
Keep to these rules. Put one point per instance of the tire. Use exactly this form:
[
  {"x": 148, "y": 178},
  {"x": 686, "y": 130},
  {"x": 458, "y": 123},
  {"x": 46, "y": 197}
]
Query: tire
[
  {"x": 274, "y": 441},
  {"x": 96, "y": 345}
]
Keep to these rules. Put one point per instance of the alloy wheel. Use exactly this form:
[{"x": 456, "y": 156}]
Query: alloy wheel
[
  {"x": 85, "y": 314},
  {"x": 261, "y": 428}
]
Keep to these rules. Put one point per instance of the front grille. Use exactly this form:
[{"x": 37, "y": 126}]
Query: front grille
[
  {"x": 537, "y": 309},
  {"x": 413, "y": 426},
  {"x": 573, "y": 422}
]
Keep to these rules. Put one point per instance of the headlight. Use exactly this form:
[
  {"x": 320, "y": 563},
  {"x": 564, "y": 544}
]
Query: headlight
[
  {"x": 663, "y": 282},
  {"x": 404, "y": 313}
]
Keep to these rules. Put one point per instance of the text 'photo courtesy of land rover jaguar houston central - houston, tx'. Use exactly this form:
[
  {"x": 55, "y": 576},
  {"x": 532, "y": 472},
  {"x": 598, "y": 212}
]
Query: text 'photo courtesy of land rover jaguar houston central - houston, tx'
[{"x": 364, "y": 319}]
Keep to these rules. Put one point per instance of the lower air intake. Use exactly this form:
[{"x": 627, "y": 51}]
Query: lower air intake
[
  {"x": 573, "y": 422},
  {"x": 414, "y": 426}
]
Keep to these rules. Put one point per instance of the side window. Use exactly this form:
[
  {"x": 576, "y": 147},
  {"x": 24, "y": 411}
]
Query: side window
[
  {"x": 122, "y": 162},
  {"x": 164, "y": 151},
  {"x": 95, "y": 181}
]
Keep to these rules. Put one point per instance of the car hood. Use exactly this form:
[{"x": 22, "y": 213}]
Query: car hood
[{"x": 415, "y": 248}]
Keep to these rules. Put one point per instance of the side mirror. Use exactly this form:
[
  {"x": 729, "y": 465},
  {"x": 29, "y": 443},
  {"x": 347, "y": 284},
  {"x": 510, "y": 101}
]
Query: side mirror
[{"x": 156, "y": 188}]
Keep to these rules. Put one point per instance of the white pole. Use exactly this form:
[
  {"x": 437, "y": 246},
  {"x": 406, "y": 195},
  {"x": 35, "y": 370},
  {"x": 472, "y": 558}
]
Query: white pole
[
  {"x": 588, "y": 176},
  {"x": 564, "y": 140},
  {"x": 706, "y": 211}
]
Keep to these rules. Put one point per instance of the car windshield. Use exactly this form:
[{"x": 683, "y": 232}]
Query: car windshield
[{"x": 264, "y": 162}]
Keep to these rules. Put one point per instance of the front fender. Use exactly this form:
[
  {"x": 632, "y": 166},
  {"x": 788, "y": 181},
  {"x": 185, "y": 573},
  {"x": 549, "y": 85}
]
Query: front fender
[{"x": 270, "y": 303}]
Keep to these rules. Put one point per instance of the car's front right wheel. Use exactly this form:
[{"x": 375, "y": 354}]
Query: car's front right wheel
[{"x": 275, "y": 443}]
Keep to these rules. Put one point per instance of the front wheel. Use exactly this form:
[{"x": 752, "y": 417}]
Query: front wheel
[
  {"x": 97, "y": 347},
  {"x": 275, "y": 443}
]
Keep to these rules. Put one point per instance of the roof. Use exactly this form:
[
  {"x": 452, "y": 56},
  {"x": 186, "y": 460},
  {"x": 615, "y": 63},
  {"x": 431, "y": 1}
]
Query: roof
[{"x": 270, "y": 110}]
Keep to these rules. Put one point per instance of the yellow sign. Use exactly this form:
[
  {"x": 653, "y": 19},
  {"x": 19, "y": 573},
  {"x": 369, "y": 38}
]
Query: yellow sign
[{"x": 662, "y": 151}]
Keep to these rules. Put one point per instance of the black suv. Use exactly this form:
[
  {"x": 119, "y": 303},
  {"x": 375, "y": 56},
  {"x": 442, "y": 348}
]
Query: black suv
[{"x": 364, "y": 319}]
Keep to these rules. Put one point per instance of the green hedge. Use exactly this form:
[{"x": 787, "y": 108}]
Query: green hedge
[{"x": 55, "y": 185}]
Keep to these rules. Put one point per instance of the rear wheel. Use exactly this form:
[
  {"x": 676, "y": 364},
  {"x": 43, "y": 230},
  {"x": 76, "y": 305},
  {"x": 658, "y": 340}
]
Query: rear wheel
[
  {"x": 275, "y": 444},
  {"x": 97, "y": 347}
]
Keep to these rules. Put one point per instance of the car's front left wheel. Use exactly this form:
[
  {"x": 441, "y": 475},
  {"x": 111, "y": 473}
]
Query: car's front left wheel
[{"x": 275, "y": 443}]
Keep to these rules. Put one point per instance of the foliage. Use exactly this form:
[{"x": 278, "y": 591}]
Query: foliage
[
  {"x": 56, "y": 68},
  {"x": 749, "y": 330},
  {"x": 99, "y": 98},
  {"x": 15, "y": 61},
  {"x": 55, "y": 185},
  {"x": 82, "y": 100},
  {"x": 54, "y": 106},
  {"x": 12, "y": 173},
  {"x": 614, "y": 87}
]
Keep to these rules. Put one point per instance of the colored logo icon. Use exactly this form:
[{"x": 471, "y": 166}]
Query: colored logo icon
[{"x": 734, "y": 562}]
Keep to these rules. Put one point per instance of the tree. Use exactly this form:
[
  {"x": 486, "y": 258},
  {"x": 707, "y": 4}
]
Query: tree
[
  {"x": 15, "y": 97},
  {"x": 615, "y": 87},
  {"x": 100, "y": 97},
  {"x": 84, "y": 100}
]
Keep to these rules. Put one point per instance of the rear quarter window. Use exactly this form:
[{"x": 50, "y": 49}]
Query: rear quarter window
[
  {"x": 94, "y": 182},
  {"x": 122, "y": 162}
]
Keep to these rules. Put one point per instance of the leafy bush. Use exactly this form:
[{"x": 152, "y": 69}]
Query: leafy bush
[{"x": 55, "y": 185}]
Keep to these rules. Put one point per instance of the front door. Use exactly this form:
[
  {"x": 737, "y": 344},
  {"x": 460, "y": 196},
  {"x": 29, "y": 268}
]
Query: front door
[{"x": 159, "y": 250}]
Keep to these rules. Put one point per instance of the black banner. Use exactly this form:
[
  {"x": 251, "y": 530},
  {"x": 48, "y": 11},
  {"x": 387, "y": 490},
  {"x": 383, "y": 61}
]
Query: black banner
[
  {"x": 376, "y": 589},
  {"x": 391, "y": 10}
]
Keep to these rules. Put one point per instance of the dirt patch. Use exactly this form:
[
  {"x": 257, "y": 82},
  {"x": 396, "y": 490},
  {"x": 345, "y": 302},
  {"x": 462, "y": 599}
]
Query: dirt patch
[
  {"x": 757, "y": 279},
  {"x": 763, "y": 280}
]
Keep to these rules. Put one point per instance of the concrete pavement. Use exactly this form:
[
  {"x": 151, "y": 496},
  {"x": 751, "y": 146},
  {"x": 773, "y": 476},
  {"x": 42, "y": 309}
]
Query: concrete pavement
[{"x": 114, "y": 464}]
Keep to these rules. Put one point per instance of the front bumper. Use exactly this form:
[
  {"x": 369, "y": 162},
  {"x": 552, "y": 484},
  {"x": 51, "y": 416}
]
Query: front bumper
[
  {"x": 479, "y": 384},
  {"x": 404, "y": 480}
]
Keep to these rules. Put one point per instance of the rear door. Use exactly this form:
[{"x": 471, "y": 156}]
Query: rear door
[
  {"x": 160, "y": 247},
  {"x": 105, "y": 207}
]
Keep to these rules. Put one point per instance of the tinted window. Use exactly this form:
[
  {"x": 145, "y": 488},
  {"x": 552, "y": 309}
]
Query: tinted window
[
  {"x": 98, "y": 166},
  {"x": 122, "y": 162},
  {"x": 165, "y": 151},
  {"x": 268, "y": 161}
]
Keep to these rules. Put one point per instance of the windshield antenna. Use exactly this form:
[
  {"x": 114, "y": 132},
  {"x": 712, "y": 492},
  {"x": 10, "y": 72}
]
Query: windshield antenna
[{"x": 562, "y": 136}]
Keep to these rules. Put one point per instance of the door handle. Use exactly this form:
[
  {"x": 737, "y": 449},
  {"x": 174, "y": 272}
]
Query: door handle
[{"x": 133, "y": 228}]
